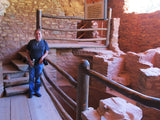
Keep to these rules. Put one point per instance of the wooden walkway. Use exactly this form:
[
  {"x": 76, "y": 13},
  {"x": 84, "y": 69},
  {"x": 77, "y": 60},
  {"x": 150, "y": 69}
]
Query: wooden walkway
[{"x": 20, "y": 107}]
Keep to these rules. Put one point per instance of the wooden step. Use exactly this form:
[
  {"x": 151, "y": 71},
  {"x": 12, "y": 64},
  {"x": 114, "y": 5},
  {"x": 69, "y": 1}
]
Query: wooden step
[
  {"x": 20, "y": 65},
  {"x": 10, "y": 69},
  {"x": 11, "y": 72},
  {"x": 23, "y": 54},
  {"x": 16, "y": 90},
  {"x": 16, "y": 81}
]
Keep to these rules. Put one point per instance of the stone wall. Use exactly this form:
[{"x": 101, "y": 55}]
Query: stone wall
[
  {"x": 113, "y": 108},
  {"x": 138, "y": 32},
  {"x": 68, "y": 62},
  {"x": 19, "y": 22}
]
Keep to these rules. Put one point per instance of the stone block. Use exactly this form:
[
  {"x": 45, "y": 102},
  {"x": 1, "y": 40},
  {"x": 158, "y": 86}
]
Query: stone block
[
  {"x": 131, "y": 60},
  {"x": 90, "y": 114},
  {"x": 149, "y": 81},
  {"x": 148, "y": 55},
  {"x": 123, "y": 80},
  {"x": 101, "y": 68},
  {"x": 115, "y": 66},
  {"x": 151, "y": 72},
  {"x": 114, "y": 36},
  {"x": 157, "y": 60},
  {"x": 52, "y": 51},
  {"x": 116, "y": 108}
]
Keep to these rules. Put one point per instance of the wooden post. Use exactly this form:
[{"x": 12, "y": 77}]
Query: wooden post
[
  {"x": 109, "y": 27},
  {"x": 38, "y": 19},
  {"x": 82, "y": 89}
]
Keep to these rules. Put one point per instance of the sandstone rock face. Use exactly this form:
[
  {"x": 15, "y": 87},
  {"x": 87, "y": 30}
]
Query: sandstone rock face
[
  {"x": 3, "y": 5},
  {"x": 114, "y": 108},
  {"x": 138, "y": 32},
  {"x": 114, "y": 36}
]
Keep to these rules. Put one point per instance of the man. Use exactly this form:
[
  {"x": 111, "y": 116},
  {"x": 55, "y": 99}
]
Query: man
[{"x": 37, "y": 50}]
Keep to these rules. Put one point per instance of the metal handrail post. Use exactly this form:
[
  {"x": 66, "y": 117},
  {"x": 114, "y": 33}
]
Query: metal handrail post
[
  {"x": 109, "y": 27},
  {"x": 38, "y": 19},
  {"x": 82, "y": 88}
]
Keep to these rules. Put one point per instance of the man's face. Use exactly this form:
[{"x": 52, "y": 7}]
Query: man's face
[{"x": 38, "y": 35}]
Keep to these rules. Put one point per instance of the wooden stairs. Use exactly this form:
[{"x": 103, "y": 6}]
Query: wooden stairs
[{"x": 15, "y": 75}]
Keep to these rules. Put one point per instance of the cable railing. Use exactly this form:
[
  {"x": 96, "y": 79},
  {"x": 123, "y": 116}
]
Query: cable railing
[
  {"x": 82, "y": 86},
  {"x": 106, "y": 39}
]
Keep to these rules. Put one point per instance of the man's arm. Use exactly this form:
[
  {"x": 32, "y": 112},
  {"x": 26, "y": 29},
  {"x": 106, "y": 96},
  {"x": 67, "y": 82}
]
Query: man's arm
[
  {"x": 42, "y": 58},
  {"x": 29, "y": 59}
]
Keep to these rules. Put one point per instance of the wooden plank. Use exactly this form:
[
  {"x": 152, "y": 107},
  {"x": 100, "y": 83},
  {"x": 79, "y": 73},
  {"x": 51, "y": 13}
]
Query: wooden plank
[
  {"x": 58, "y": 105},
  {"x": 16, "y": 81},
  {"x": 16, "y": 90},
  {"x": 5, "y": 108},
  {"x": 77, "y": 40},
  {"x": 19, "y": 108},
  {"x": 20, "y": 65},
  {"x": 75, "y": 30},
  {"x": 9, "y": 69},
  {"x": 42, "y": 108},
  {"x": 23, "y": 54},
  {"x": 63, "y": 17},
  {"x": 73, "y": 45},
  {"x": 69, "y": 17}
]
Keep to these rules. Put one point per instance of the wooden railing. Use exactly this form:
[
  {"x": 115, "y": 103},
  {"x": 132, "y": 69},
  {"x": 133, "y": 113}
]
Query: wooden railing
[
  {"x": 82, "y": 85},
  {"x": 108, "y": 24}
]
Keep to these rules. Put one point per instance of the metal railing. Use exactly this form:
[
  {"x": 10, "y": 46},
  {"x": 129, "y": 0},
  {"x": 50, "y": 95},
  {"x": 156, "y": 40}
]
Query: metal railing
[
  {"x": 108, "y": 24},
  {"x": 82, "y": 85}
]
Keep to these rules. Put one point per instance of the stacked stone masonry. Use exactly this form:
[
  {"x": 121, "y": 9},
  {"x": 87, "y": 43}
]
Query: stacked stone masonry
[
  {"x": 114, "y": 108},
  {"x": 18, "y": 23},
  {"x": 140, "y": 71}
]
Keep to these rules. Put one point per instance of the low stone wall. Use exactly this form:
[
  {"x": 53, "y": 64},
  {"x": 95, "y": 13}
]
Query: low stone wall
[
  {"x": 140, "y": 71},
  {"x": 114, "y": 108}
]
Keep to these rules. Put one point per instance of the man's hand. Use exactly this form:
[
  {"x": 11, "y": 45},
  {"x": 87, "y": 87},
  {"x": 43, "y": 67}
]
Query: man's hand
[
  {"x": 31, "y": 63},
  {"x": 41, "y": 60}
]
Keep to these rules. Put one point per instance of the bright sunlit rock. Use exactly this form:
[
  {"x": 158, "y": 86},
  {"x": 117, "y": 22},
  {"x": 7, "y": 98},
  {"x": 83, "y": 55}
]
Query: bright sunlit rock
[{"x": 141, "y": 6}]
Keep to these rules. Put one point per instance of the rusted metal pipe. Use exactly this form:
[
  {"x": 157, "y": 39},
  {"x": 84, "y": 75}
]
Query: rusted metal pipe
[
  {"x": 109, "y": 27},
  {"x": 82, "y": 89}
]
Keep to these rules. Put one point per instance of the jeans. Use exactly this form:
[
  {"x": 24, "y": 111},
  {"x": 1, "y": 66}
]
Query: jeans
[{"x": 34, "y": 78}]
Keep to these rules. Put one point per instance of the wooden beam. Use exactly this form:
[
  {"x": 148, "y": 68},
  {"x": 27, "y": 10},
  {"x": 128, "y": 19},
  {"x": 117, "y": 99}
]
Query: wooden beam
[
  {"x": 62, "y": 17},
  {"x": 77, "y": 40},
  {"x": 69, "y": 17},
  {"x": 75, "y": 30}
]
